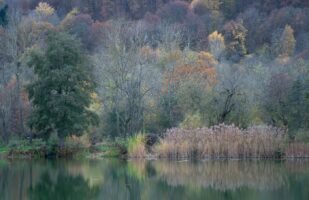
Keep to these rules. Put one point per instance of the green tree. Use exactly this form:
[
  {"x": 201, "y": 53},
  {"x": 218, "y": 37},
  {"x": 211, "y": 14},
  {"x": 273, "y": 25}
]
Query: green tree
[
  {"x": 298, "y": 110},
  {"x": 61, "y": 95},
  {"x": 3, "y": 14}
]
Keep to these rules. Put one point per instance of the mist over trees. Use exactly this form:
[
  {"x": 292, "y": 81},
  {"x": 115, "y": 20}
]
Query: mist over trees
[{"x": 149, "y": 65}]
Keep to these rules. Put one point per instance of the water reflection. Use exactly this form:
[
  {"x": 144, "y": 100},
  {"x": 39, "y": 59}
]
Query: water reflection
[
  {"x": 223, "y": 176},
  {"x": 118, "y": 179}
]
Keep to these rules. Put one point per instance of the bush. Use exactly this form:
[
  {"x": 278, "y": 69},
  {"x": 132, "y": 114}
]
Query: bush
[
  {"x": 3, "y": 149},
  {"x": 222, "y": 142},
  {"x": 25, "y": 148},
  {"x": 52, "y": 143},
  {"x": 302, "y": 136},
  {"x": 192, "y": 121},
  {"x": 73, "y": 145},
  {"x": 136, "y": 146}
]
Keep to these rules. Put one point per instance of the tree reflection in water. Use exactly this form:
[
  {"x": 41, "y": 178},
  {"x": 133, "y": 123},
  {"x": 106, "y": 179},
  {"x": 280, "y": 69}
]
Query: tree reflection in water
[
  {"x": 119, "y": 179},
  {"x": 63, "y": 186}
]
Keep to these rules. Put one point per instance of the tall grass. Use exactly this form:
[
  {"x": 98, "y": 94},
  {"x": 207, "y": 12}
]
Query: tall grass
[
  {"x": 297, "y": 150},
  {"x": 222, "y": 141},
  {"x": 136, "y": 146}
]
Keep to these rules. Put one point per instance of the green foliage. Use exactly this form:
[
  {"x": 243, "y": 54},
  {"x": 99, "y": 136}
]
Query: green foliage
[
  {"x": 136, "y": 146},
  {"x": 109, "y": 150},
  {"x": 62, "y": 186},
  {"x": 3, "y": 149},
  {"x": 192, "y": 121},
  {"x": 3, "y": 14},
  {"x": 52, "y": 143},
  {"x": 298, "y": 101},
  {"x": 302, "y": 136},
  {"x": 24, "y": 148},
  {"x": 61, "y": 95}
]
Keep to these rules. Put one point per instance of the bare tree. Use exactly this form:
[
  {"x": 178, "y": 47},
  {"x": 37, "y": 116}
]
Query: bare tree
[
  {"x": 228, "y": 90},
  {"x": 126, "y": 75},
  {"x": 14, "y": 53}
]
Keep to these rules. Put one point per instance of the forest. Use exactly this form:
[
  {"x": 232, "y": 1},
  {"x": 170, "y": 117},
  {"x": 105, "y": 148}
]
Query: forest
[{"x": 205, "y": 78}]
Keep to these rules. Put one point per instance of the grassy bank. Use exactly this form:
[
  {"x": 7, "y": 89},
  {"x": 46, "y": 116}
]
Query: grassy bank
[{"x": 77, "y": 148}]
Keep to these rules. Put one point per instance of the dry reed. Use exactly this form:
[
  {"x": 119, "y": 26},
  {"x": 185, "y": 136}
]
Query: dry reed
[
  {"x": 222, "y": 141},
  {"x": 297, "y": 150}
]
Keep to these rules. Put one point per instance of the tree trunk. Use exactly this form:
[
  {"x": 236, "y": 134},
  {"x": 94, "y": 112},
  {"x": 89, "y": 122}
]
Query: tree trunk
[
  {"x": 5, "y": 131},
  {"x": 20, "y": 105}
]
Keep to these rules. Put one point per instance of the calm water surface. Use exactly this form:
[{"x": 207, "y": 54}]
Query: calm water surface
[{"x": 159, "y": 180}]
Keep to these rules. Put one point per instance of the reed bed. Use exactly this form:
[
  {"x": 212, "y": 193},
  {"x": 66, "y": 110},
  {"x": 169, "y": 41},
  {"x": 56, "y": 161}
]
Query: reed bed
[
  {"x": 297, "y": 150},
  {"x": 222, "y": 141}
]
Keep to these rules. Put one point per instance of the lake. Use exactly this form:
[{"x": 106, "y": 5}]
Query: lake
[{"x": 158, "y": 180}]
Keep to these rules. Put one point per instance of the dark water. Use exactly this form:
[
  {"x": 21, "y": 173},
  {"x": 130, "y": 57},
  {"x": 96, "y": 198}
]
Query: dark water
[{"x": 158, "y": 180}]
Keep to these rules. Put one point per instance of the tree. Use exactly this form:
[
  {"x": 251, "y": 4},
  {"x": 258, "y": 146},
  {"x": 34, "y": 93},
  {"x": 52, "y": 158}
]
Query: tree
[
  {"x": 235, "y": 35},
  {"x": 6, "y": 95},
  {"x": 228, "y": 99},
  {"x": 216, "y": 44},
  {"x": 287, "y": 41},
  {"x": 208, "y": 4},
  {"x": 12, "y": 52},
  {"x": 276, "y": 99},
  {"x": 229, "y": 8},
  {"x": 126, "y": 78},
  {"x": 61, "y": 95},
  {"x": 3, "y": 14},
  {"x": 44, "y": 10},
  {"x": 283, "y": 42},
  {"x": 298, "y": 109},
  {"x": 80, "y": 25},
  {"x": 174, "y": 12}
]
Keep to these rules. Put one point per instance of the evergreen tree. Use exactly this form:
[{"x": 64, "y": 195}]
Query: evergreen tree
[
  {"x": 3, "y": 15},
  {"x": 61, "y": 95}
]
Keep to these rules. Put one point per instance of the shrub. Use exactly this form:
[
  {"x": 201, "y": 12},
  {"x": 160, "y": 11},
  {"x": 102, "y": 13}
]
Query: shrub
[
  {"x": 136, "y": 146},
  {"x": 3, "y": 149},
  {"x": 73, "y": 145},
  {"x": 222, "y": 141},
  {"x": 192, "y": 121},
  {"x": 52, "y": 143},
  {"x": 302, "y": 136},
  {"x": 25, "y": 148}
]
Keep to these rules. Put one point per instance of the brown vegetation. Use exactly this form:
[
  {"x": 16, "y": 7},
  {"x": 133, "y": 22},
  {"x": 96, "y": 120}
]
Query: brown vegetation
[
  {"x": 297, "y": 150},
  {"x": 222, "y": 141}
]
